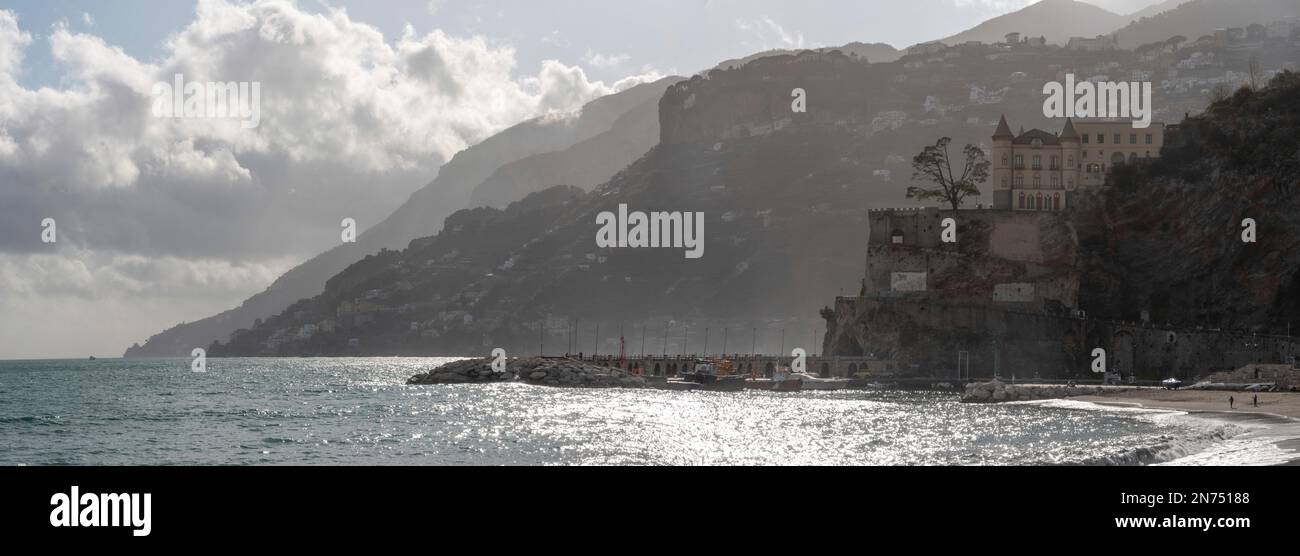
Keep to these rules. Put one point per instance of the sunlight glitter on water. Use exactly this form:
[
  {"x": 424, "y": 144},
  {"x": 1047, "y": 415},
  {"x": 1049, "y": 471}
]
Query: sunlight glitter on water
[{"x": 360, "y": 411}]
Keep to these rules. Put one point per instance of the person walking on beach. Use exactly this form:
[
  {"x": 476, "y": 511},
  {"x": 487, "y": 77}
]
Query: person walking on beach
[{"x": 1230, "y": 402}]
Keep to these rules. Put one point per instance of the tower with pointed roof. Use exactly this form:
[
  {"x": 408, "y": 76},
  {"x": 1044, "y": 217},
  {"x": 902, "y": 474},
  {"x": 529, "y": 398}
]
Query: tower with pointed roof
[{"x": 1034, "y": 170}]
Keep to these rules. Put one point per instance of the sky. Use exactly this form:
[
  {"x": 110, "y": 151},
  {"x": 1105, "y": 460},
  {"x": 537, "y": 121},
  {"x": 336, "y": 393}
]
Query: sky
[{"x": 161, "y": 220}]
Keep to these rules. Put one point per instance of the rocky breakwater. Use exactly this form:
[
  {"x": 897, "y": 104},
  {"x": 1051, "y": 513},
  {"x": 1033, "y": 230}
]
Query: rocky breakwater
[
  {"x": 996, "y": 391},
  {"x": 569, "y": 373}
]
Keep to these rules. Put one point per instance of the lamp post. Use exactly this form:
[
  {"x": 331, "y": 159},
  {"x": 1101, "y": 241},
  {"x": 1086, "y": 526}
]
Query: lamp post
[{"x": 665, "y": 339}]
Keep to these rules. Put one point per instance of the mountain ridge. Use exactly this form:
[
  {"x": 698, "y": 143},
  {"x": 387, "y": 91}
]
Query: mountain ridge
[{"x": 421, "y": 215}]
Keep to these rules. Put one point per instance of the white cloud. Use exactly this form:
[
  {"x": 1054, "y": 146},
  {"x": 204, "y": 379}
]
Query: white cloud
[
  {"x": 85, "y": 18},
  {"x": 770, "y": 33},
  {"x": 336, "y": 95},
  {"x": 599, "y": 60},
  {"x": 80, "y": 303},
  {"x": 555, "y": 38},
  {"x": 177, "y": 215}
]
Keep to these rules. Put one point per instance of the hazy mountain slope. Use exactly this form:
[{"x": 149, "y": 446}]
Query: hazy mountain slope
[
  {"x": 874, "y": 52},
  {"x": 1155, "y": 9},
  {"x": 1057, "y": 20},
  {"x": 584, "y": 165},
  {"x": 785, "y": 198},
  {"x": 1201, "y": 17},
  {"x": 421, "y": 215}
]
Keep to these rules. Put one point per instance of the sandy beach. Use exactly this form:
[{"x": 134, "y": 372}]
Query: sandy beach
[
  {"x": 1274, "y": 407},
  {"x": 1274, "y": 404}
]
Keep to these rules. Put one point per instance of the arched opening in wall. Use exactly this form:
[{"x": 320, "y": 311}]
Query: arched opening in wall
[
  {"x": 656, "y": 369},
  {"x": 769, "y": 369},
  {"x": 672, "y": 369},
  {"x": 1056, "y": 201},
  {"x": 1132, "y": 158},
  {"x": 1040, "y": 201},
  {"x": 826, "y": 370},
  {"x": 1123, "y": 355}
]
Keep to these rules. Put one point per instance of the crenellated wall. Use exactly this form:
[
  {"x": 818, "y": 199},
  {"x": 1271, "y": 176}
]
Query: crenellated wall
[{"x": 1020, "y": 260}]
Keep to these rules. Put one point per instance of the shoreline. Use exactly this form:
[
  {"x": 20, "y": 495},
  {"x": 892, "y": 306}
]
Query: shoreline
[{"x": 1276, "y": 410}]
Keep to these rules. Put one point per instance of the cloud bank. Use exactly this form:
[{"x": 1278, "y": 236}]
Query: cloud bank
[{"x": 201, "y": 212}]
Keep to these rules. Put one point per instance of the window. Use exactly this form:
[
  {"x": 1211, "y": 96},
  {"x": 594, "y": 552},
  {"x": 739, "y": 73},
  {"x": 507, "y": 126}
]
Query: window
[
  {"x": 1056, "y": 162},
  {"x": 1085, "y": 138},
  {"x": 1004, "y": 159},
  {"x": 1022, "y": 200},
  {"x": 1038, "y": 162},
  {"x": 1004, "y": 182},
  {"x": 1085, "y": 154},
  {"x": 1101, "y": 138},
  {"x": 1070, "y": 162},
  {"x": 1117, "y": 140},
  {"x": 1069, "y": 184},
  {"x": 1056, "y": 202},
  {"x": 1148, "y": 138},
  {"x": 1020, "y": 181},
  {"x": 1020, "y": 161},
  {"x": 1038, "y": 181},
  {"x": 1056, "y": 181},
  {"x": 1133, "y": 139}
]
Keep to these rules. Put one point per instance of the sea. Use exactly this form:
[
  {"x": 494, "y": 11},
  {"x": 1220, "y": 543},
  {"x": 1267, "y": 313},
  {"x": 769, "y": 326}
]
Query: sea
[{"x": 361, "y": 412}]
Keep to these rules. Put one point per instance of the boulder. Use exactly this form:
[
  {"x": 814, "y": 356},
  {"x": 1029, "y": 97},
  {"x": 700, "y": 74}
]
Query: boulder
[
  {"x": 532, "y": 370},
  {"x": 469, "y": 371}
]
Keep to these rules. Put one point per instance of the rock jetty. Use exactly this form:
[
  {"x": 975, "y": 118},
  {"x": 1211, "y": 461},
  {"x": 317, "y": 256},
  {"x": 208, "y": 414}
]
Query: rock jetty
[
  {"x": 996, "y": 391},
  {"x": 568, "y": 373}
]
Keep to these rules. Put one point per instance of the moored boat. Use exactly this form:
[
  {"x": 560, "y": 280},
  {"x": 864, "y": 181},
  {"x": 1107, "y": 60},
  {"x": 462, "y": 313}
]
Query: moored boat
[{"x": 816, "y": 383}]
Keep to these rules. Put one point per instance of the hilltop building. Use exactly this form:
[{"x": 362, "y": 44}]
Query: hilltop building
[
  {"x": 1039, "y": 171},
  {"x": 1098, "y": 44}
]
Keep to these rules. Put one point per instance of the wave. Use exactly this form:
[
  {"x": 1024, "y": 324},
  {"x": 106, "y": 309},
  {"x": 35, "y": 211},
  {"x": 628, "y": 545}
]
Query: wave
[{"x": 1208, "y": 440}]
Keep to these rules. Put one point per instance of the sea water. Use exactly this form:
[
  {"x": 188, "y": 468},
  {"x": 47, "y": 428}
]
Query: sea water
[{"x": 361, "y": 412}]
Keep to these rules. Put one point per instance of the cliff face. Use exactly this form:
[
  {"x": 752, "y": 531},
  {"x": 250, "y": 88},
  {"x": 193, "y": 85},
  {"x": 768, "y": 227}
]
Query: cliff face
[{"x": 1166, "y": 238}]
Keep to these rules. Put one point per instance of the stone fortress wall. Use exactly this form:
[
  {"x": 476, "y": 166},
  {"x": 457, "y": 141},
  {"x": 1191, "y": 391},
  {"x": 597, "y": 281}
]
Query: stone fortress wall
[{"x": 1005, "y": 298}]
